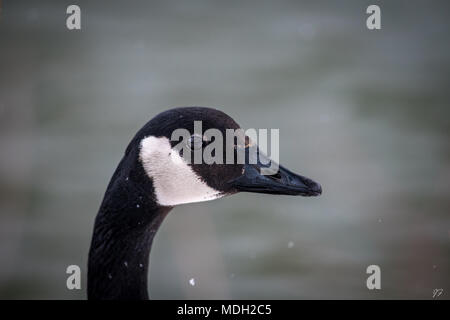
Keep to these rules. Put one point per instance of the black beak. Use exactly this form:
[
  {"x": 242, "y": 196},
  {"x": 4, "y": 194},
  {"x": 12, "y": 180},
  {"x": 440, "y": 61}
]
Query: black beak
[{"x": 281, "y": 182}]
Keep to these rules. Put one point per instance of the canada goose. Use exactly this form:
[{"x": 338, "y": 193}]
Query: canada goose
[{"x": 149, "y": 181}]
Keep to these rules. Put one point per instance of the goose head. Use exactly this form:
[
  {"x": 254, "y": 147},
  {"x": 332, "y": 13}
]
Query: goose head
[{"x": 167, "y": 148}]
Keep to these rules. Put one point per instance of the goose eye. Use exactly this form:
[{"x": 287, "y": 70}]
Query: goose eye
[
  {"x": 196, "y": 142},
  {"x": 244, "y": 143}
]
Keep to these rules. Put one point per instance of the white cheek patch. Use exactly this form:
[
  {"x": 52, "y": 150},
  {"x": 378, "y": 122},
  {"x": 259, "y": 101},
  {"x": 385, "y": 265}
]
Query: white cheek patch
[{"x": 174, "y": 180}]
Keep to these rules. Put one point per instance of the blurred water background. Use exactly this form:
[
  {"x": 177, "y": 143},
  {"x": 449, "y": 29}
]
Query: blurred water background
[{"x": 365, "y": 113}]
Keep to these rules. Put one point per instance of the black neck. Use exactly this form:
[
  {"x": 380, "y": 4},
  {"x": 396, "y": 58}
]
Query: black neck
[{"x": 123, "y": 234}]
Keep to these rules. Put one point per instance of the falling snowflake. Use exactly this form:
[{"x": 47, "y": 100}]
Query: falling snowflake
[
  {"x": 192, "y": 282},
  {"x": 290, "y": 244}
]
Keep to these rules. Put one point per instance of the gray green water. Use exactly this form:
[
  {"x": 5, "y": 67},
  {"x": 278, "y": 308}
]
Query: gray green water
[{"x": 365, "y": 113}]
